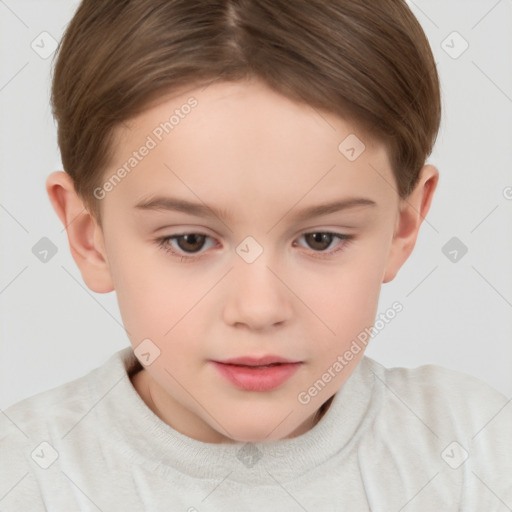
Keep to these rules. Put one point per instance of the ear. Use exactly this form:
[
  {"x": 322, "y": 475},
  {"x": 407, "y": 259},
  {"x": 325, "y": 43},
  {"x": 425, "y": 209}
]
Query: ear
[
  {"x": 84, "y": 234},
  {"x": 412, "y": 211}
]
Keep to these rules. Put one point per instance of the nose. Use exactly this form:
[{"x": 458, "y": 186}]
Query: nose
[{"x": 256, "y": 298}]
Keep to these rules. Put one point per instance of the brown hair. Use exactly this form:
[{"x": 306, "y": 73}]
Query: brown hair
[{"x": 368, "y": 62}]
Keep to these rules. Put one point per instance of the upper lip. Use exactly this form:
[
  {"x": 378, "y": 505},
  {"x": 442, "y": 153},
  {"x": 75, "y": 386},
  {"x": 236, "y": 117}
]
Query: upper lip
[{"x": 257, "y": 361}]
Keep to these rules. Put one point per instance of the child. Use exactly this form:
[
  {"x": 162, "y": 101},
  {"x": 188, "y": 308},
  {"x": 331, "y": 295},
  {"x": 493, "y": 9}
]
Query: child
[{"x": 245, "y": 174}]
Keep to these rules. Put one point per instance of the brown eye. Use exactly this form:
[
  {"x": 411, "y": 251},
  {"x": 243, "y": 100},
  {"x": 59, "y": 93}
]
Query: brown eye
[
  {"x": 319, "y": 241},
  {"x": 190, "y": 243},
  {"x": 324, "y": 244},
  {"x": 187, "y": 246}
]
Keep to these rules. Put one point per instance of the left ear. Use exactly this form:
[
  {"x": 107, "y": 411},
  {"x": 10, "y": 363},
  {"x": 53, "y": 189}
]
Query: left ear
[{"x": 412, "y": 211}]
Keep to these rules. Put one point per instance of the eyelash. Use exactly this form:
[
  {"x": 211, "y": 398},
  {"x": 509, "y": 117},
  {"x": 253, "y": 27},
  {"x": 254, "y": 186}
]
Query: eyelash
[{"x": 163, "y": 243}]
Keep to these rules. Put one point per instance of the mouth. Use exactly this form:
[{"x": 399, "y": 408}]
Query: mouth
[
  {"x": 257, "y": 367},
  {"x": 267, "y": 360},
  {"x": 257, "y": 374}
]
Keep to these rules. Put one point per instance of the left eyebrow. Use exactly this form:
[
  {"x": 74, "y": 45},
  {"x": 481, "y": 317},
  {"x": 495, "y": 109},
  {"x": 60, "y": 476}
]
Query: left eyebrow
[{"x": 162, "y": 203}]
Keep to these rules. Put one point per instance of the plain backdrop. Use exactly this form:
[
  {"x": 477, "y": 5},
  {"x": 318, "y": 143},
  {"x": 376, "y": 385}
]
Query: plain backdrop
[{"x": 457, "y": 314}]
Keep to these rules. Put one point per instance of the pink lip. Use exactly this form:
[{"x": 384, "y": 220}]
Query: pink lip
[
  {"x": 257, "y": 361},
  {"x": 252, "y": 374}
]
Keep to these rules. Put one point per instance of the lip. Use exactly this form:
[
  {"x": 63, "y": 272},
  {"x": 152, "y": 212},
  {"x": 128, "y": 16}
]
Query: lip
[
  {"x": 257, "y": 361},
  {"x": 254, "y": 374}
]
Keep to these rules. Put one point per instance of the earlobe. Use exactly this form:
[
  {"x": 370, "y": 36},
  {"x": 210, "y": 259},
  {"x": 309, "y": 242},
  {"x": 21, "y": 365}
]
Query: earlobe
[
  {"x": 412, "y": 212},
  {"x": 84, "y": 235}
]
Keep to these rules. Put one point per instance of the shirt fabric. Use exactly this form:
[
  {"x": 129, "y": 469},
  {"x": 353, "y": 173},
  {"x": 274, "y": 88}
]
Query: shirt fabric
[{"x": 426, "y": 439}]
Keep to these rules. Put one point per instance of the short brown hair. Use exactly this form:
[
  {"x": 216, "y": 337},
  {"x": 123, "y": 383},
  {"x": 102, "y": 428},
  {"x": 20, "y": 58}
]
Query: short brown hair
[{"x": 368, "y": 62}]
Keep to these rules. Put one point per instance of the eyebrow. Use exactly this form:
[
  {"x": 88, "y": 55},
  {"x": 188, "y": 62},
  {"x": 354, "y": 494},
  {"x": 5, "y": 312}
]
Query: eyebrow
[{"x": 161, "y": 203}]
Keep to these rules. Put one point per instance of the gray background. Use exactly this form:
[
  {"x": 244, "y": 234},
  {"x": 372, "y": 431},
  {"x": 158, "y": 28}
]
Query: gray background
[{"x": 457, "y": 314}]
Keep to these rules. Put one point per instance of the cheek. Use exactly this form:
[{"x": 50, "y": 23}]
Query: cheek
[
  {"x": 346, "y": 296},
  {"x": 143, "y": 295},
  {"x": 156, "y": 299}
]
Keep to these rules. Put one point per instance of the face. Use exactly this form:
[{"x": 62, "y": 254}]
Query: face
[{"x": 216, "y": 254}]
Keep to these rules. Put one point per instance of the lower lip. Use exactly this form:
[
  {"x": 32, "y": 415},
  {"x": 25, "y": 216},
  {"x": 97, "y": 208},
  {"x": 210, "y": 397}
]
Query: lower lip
[{"x": 257, "y": 379}]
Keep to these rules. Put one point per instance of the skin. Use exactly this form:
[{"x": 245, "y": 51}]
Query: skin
[{"x": 262, "y": 158}]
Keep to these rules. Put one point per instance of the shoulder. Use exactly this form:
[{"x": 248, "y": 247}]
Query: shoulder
[
  {"x": 33, "y": 430},
  {"x": 443, "y": 397},
  {"x": 435, "y": 387},
  {"x": 450, "y": 421},
  {"x": 40, "y": 411},
  {"x": 43, "y": 411},
  {"x": 427, "y": 375}
]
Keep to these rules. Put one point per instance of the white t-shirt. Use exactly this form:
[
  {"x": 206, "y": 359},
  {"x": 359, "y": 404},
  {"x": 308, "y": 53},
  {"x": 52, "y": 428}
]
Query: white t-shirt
[{"x": 426, "y": 439}]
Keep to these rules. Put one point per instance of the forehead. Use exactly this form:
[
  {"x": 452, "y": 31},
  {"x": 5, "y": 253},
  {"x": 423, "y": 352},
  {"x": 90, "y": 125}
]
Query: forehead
[{"x": 243, "y": 138}]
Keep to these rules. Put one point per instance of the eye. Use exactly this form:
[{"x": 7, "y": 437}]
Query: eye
[
  {"x": 188, "y": 245},
  {"x": 319, "y": 241}
]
